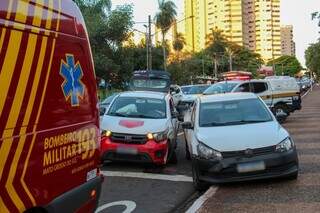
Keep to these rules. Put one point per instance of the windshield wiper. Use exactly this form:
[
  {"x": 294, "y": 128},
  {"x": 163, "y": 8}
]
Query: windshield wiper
[
  {"x": 213, "y": 124},
  {"x": 117, "y": 114},
  {"x": 233, "y": 123},
  {"x": 253, "y": 121}
]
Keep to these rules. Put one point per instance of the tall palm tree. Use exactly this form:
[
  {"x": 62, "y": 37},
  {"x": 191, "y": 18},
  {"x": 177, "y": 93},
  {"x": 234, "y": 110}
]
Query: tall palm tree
[
  {"x": 216, "y": 47},
  {"x": 164, "y": 18}
]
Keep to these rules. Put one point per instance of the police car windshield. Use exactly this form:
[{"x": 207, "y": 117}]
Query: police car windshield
[
  {"x": 135, "y": 107},
  {"x": 221, "y": 87}
]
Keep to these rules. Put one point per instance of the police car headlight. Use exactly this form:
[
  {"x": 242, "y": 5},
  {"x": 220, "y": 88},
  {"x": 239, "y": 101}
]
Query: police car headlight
[
  {"x": 208, "y": 153},
  {"x": 286, "y": 145}
]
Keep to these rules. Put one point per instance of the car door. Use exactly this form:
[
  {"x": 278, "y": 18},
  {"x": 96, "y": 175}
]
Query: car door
[
  {"x": 173, "y": 117},
  {"x": 262, "y": 89},
  {"x": 190, "y": 132}
]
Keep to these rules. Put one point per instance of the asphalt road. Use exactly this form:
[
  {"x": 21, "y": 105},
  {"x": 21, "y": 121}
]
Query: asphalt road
[
  {"x": 147, "y": 188},
  {"x": 302, "y": 195}
]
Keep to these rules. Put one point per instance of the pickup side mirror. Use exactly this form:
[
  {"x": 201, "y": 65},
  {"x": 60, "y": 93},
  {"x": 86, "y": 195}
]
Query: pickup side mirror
[
  {"x": 182, "y": 107},
  {"x": 181, "y": 117},
  {"x": 187, "y": 125},
  {"x": 174, "y": 114}
]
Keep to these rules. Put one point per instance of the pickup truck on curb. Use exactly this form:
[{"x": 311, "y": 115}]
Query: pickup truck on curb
[{"x": 281, "y": 94}]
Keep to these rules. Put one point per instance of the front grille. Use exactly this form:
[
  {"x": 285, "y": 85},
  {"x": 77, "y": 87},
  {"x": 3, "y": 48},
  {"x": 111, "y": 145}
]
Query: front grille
[
  {"x": 255, "y": 152},
  {"x": 128, "y": 138}
]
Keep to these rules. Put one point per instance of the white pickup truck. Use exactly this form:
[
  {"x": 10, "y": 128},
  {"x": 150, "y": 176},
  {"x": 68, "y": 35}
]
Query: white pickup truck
[{"x": 281, "y": 94}]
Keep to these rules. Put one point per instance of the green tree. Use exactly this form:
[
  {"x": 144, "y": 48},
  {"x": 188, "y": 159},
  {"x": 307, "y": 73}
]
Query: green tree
[
  {"x": 107, "y": 30},
  {"x": 164, "y": 18},
  {"x": 312, "y": 56},
  {"x": 179, "y": 42},
  {"x": 246, "y": 60},
  {"x": 286, "y": 65}
]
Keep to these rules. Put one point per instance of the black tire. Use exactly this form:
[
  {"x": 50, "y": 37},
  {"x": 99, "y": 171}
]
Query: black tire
[
  {"x": 293, "y": 176},
  {"x": 197, "y": 183},
  {"x": 173, "y": 159},
  {"x": 188, "y": 154}
]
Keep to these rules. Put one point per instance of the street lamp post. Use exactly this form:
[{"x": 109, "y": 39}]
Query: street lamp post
[{"x": 147, "y": 46}]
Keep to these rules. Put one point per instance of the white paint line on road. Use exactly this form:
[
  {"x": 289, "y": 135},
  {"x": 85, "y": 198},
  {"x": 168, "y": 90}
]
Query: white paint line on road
[
  {"x": 130, "y": 206},
  {"x": 306, "y": 93},
  {"x": 175, "y": 178},
  {"x": 201, "y": 200}
]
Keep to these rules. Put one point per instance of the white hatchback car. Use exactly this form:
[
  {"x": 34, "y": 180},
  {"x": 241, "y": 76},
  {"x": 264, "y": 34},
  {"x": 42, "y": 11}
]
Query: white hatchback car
[{"x": 235, "y": 137}]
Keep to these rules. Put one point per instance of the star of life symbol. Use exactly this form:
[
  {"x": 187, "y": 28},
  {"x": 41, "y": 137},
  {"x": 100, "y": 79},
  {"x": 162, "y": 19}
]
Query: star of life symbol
[{"x": 72, "y": 86}]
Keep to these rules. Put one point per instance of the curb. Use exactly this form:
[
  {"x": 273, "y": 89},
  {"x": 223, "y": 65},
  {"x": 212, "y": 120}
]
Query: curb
[{"x": 201, "y": 200}]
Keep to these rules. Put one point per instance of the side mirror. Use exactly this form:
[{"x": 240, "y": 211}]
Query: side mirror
[
  {"x": 173, "y": 93},
  {"x": 174, "y": 114},
  {"x": 182, "y": 107},
  {"x": 187, "y": 125}
]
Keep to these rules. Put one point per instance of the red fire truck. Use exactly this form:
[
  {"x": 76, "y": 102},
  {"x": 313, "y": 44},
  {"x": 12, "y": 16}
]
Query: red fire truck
[{"x": 49, "y": 120}]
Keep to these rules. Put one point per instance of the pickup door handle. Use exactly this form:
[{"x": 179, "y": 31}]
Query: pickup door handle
[{"x": 268, "y": 96}]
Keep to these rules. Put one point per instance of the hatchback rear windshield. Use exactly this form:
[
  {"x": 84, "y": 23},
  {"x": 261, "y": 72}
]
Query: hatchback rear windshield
[
  {"x": 135, "y": 107},
  {"x": 150, "y": 83},
  {"x": 233, "y": 113}
]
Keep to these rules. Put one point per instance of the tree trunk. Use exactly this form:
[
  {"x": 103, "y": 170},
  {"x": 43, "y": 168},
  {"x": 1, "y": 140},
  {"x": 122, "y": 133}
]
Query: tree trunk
[
  {"x": 230, "y": 62},
  {"x": 215, "y": 67}
]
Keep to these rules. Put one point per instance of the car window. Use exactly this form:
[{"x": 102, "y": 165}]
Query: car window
[
  {"x": 243, "y": 88},
  {"x": 137, "y": 107},
  {"x": 259, "y": 87},
  {"x": 233, "y": 113}
]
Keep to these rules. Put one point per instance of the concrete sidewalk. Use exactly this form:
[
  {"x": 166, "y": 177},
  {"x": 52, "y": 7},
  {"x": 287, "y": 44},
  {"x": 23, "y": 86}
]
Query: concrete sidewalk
[{"x": 302, "y": 195}]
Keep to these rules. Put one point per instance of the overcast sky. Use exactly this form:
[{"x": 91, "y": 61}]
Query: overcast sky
[{"x": 294, "y": 12}]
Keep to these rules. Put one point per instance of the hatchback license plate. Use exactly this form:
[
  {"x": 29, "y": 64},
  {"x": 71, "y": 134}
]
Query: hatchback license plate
[{"x": 251, "y": 167}]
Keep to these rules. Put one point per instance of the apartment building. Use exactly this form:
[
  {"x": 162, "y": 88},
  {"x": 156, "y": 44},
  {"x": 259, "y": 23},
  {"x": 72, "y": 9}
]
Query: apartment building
[
  {"x": 254, "y": 24},
  {"x": 287, "y": 43}
]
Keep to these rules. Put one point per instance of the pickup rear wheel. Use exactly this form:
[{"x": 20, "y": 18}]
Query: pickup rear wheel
[{"x": 281, "y": 109}]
